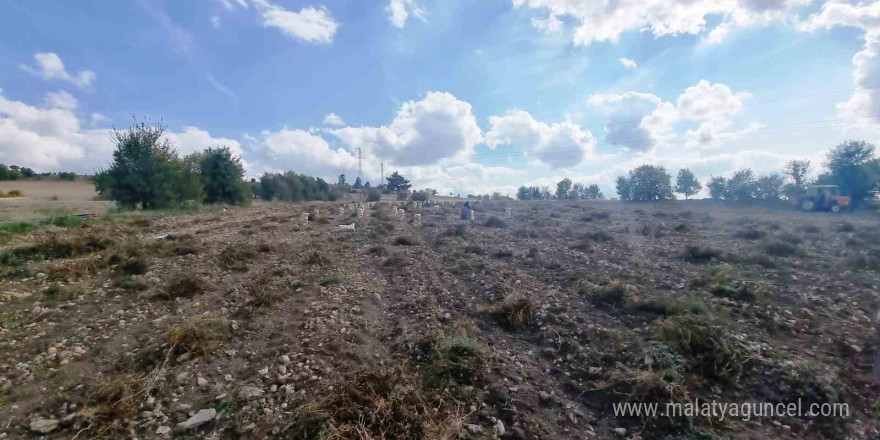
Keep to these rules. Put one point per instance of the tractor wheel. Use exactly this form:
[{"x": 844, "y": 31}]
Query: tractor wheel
[
  {"x": 808, "y": 205},
  {"x": 835, "y": 209}
]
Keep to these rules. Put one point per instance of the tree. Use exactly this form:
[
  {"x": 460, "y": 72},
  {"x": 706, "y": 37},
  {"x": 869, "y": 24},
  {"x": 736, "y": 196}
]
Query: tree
[
  {"x": 562, "y": 188},
  {"x": 341, "y": 180},
  {"x": 27, "y": 172},
  {"x": 717, "y": 187},
  {"x": 646, "y": 183},
  {"x": 797, "y": 170},
  {"x": 686, "y": 183},
  {"x": 593, "y": 192},
  {"x": 222, "y": 175},
  {"x": 357, "y": 183},
  {"x": 852, "y": 166},
  {"x": 421, "y": 196},
  {"x": 367, "y": 185},
  {"x": 397, "y": 183},
  {"x": 373, "y": 194},
  {"x": 624, "y": 189},
  {"x": 769, "y": 188},
  {"x": 145, "y": 171},
  {"x": 742, "y": 186}
]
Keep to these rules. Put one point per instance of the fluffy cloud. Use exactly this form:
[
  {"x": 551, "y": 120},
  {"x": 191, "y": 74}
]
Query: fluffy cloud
[
  {"x": 559, "y": 145},
  {"x": 400, "y": 10},
  {"x": 333, "y": 119},
  {"x": 49, "y": 66},
  {"x": 51, "y": 138},
  {"x": 863, "y": 107},
  {"x": 606, "y": 21},
  {"x": 312, "y": 25},
  {"x": 628, "y": 63},
  {"x": 639, "y": 121},
  {"x": 302, "y": 152},
  {"x": 437, "y": 128},
  {"x": 61, "y": 99}
]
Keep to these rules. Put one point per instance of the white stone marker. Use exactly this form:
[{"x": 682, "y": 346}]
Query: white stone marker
[
  {"x": 417, "y": 220},
  {"x": 305, "y": 218},
  {"x": 507, "y": 212}
]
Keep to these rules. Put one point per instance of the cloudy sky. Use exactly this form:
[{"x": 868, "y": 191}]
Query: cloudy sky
[{"x": 462, "y": 96}]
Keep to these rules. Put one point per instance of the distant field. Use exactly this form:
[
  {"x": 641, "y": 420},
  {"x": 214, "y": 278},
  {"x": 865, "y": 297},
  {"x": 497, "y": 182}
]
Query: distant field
[{"x": 45, "y": 198}]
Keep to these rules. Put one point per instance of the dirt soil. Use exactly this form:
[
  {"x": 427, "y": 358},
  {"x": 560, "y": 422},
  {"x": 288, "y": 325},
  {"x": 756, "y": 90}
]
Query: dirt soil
[{"x": 251, "y": 324}]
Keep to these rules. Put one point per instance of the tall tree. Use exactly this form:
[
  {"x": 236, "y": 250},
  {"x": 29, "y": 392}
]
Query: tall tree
[
  {"x": 852, "y": 166},
  {"x": 649, "y": 183},
  {"x": 797, "y": 170},
  {"x": 222, "y": 175},
  {"x": 769, "y": 188},
  {"x": 742, "y": 185},
  {"x": 686, "y": 183},
  {"x": 562, "y": 188},
  {"x": 357, "y": 183},
  {"x": 717, "y": 187},
  {"x": 624, "y": 189},
  {"x": 397, "y": 183},
  {"x": 341, "y": 180},
  {"x": 593, "y": 192}
]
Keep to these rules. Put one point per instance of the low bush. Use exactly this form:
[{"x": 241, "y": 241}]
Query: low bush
[
  {"x": 459, "y": 230},
  {"x": 515, "y": 310},
  {"x": 332, "y": 281},
  {"x": 237, "y": 257},
  {"x": 706, "y": 341},
  {"x": 404, "y": 241},
  {"x": 184, "y": 285},
  {"x": 701, "y": 254},
  {"x": 779, "y": 248},
  {"x": 612, "y": 295},
  {"x": 199, "y": 336},
  {"x": 451, "y": 361},
  {"x": 495, "y": 222}
]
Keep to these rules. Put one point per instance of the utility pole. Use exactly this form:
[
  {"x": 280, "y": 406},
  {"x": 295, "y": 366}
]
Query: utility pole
[{"x": 382, "y": 167}]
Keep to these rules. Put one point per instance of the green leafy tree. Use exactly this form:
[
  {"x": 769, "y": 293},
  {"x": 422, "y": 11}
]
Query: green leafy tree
[
  {"x": 222, "y": 174},
  {"x": 563, "y": 188},
  {"x": 27, "y": 172},
  {"x": 367, "y": 185},
  {"x": 397, "y": 183},
  {"x": 374, "y": 195},
  {"x": 769, "y": 188},
  {"x": 341, "y": 180},
  {"x": 648, "y": 183},
  {"x": 853, "y": 166},
  {"x": 717, "y": 187},
  {"x": 742, "y": 186},
  {"x": 686, "y": 183},
  {"x": 593, "y": 192},
  {"x": 624, "y": 189},
  {"x": 146, "y": 171},
  {"x": 357, "y": 183}
]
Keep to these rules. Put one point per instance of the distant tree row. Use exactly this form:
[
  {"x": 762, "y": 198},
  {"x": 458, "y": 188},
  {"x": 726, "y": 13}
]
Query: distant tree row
[
  {"x": 852, "y": 166},
  {"x": 565, "y": 190},
  {"x": 292, "y": 187},
  {"x": 147, "y": 173},
  {"x": 15, "y": 172}
]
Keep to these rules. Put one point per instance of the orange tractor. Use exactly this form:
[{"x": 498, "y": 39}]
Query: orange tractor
[{"x": 823, "y": 198}]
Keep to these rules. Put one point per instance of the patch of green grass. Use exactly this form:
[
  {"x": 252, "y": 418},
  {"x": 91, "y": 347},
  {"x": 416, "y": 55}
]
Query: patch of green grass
[{"x": 332, "y": 281}]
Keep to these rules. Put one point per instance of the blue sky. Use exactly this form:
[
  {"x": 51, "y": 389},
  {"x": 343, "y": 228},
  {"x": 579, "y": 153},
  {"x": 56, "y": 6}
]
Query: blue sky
[{"x": 462, "y": 96}]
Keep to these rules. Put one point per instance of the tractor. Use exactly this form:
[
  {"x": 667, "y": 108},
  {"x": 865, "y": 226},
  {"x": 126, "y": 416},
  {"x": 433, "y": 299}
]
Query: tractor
[{"x": 823, "y": 198}]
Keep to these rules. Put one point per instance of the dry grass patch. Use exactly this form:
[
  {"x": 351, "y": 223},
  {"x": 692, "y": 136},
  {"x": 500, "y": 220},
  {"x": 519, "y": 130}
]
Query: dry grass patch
[
  {"x": 238, "y": 257},
  {"x": 199, "y": 336},
  {"x": 515, "y": 310}
]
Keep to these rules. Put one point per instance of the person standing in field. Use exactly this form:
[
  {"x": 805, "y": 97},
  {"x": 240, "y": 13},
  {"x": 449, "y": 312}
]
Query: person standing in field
[{"x": 466, "y": 211}]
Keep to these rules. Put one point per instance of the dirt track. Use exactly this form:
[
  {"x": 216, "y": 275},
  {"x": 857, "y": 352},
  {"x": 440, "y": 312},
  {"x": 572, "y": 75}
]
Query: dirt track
[{"x": 537, "y": 325}]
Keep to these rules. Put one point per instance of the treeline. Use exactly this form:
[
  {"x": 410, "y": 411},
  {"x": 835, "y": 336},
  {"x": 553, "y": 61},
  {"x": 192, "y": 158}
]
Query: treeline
[
  {"x": 292, "y": 187},
  {"x": 565, "y": 190},
  {"x": 15, "y": 172},
  {"x": 852, "y": 166},
  {"x": 147, "y": 173}
]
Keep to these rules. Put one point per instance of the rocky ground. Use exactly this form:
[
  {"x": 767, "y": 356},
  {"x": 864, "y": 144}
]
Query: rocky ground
[{"x": 249, "y": 323}]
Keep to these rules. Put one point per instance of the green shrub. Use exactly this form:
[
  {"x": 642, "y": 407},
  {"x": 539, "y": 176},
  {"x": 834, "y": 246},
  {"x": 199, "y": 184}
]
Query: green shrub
[
  {"x": 494, "y": 222},
  {"x": 374, "y": 195},
  {"x": 222, "y": 175},
  {"x": 701, "y": 254},
  {"x": 780, "y": 248}
]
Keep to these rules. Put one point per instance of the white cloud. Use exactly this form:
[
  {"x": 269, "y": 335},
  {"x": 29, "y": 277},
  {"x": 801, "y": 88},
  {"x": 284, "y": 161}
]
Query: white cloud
[
  {"x": 49, "y": 66},
  {"x": 97, "y": 118},
  {"x": 550, "y": 24},
  {"x": 437, "y": 128},
  {"x": 640, "y": 121},
  {"x": 628, "y": 64},
  {"x": 312, "y": 25},
  {"x": 604, "y": 21},
  {"x": 215, "y": 22},
  {"x": 558, "y": 145},
  {"x": 863, "y": 107},
  {"x": 333, "y": 119},
  {"x": 230, "y": 4},
  {"x": 51, "y": 138},
  {"x": 61, "y": 99},
  {"x": 302, "y": 152},
  {"x": 400, "y": 10}
]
